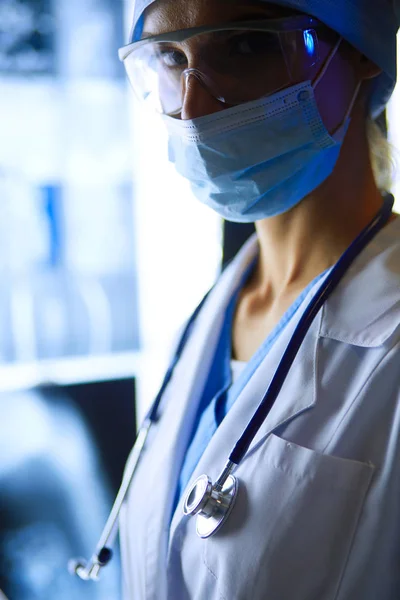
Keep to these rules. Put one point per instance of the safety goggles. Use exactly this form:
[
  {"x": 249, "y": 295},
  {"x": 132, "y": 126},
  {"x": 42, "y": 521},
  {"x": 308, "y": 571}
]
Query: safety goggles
[{"x": 236, "y": 62}]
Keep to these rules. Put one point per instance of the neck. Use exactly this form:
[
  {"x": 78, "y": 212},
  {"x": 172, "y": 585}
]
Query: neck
[{"x": 298, "y": 245}]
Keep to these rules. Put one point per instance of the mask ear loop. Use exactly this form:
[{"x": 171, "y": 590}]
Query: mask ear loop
[
  {"x": 343, "y": 125},
  {"x": 327, "y": 63}
]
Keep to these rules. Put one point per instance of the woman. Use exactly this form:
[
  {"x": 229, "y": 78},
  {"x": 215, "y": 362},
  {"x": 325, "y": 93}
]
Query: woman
[{"x": 267, "y": 107}]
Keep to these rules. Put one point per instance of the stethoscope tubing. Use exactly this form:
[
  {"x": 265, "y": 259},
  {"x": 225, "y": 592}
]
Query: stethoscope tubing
[
  {"x": 103, "y": 553},
  {"x": 110, "y": 530},
  {"x": 326, "y": 289}
]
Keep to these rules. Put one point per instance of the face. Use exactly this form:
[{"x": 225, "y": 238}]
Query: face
[{"x": 334, "y": 92}]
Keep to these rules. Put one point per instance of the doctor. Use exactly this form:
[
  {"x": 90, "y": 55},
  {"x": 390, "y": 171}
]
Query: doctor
[{"x": 268, "y": 108}]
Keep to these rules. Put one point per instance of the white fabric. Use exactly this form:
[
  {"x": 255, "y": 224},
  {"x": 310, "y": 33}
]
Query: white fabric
[
  {"x": 318, "y": 512},
  {"x": 237, "y": 366}
]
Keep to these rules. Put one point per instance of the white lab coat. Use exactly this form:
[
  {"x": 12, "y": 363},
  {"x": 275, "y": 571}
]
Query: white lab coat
[{"x": 318, "y": 512}]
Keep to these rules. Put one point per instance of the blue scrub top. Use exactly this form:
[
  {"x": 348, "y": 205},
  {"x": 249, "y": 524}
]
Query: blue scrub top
[{"x": 219, "y": 394}]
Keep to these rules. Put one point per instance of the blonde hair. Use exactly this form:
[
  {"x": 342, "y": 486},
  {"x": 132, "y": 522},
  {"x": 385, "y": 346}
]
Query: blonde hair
[{"x": 381, "y": 154}]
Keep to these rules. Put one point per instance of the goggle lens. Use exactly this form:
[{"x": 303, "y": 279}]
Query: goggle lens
[{"x": 236, "y": 66}]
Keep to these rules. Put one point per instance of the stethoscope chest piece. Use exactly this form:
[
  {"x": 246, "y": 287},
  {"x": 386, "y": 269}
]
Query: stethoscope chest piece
[{"x": 211, "y": 504}]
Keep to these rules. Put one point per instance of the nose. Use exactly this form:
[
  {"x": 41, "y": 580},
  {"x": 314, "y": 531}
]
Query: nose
[{"x": 197, "y": 100}]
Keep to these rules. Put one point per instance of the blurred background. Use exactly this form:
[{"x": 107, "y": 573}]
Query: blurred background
[{"x": 103, "y": 255}]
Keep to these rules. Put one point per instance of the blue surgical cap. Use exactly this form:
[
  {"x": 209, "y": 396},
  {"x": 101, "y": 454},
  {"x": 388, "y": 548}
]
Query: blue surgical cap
[{"x": 369, "y": 25}]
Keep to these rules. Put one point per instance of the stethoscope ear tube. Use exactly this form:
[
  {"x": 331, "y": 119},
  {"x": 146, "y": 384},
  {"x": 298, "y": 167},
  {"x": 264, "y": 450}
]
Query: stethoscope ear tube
[
  {"x": 103, "y": 553},
  {"x": 87, "y": 570}
]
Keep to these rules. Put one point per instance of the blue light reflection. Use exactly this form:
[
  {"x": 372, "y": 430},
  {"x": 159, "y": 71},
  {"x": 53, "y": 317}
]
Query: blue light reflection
[{"x": 309, "y": 42}]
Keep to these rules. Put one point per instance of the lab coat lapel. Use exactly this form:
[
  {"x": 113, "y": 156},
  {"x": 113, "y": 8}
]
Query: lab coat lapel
[
  {"x": 181, "y": 401},
  {"x": 296, "y": 396}
]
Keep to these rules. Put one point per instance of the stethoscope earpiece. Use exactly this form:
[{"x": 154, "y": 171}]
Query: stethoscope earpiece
[
  {"x": 79, "y": 567},
  {"x": 90, "y": 570}
]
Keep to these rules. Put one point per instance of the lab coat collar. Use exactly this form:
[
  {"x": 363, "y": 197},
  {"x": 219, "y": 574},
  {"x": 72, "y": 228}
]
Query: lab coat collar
[{"x": 365, "y": 308}]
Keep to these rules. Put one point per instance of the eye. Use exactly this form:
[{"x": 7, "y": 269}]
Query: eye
[
  {"x": 171, "y": 57},
  {"x": 254, "y": 43}
]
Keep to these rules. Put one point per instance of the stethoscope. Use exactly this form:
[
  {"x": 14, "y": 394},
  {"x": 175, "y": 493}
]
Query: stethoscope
[{"x": 213, "y": 502}]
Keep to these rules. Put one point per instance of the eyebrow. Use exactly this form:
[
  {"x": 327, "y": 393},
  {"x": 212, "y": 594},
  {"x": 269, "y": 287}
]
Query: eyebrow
[
  {"x": 271, "y": 11},
  {"x": 268, "y": 9},
  {"x": 254, "y": 16}
]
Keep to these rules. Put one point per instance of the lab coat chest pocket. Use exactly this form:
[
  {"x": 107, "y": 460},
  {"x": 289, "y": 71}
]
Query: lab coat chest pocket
[{"x": 290, "y": 532}]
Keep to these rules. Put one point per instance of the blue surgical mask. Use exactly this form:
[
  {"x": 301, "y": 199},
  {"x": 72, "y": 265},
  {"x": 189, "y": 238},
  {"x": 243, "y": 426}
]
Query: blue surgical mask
[{"x": 258, "y": 159}]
